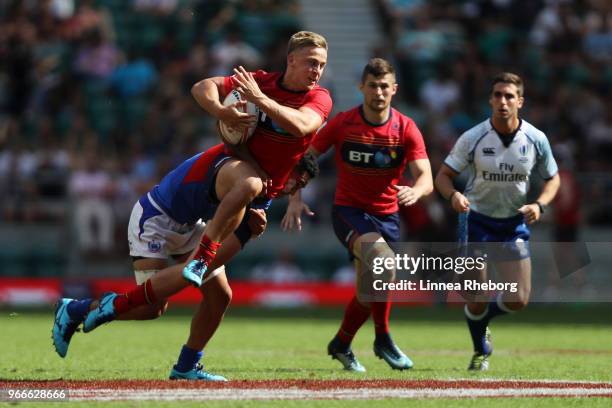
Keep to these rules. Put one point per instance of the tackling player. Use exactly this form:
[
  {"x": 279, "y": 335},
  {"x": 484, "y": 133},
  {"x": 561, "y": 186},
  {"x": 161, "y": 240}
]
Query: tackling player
[
  {"x": 500, "y": 154},
  {"x": 156, "y": 233},
  {"x": 374, "y": 143}
]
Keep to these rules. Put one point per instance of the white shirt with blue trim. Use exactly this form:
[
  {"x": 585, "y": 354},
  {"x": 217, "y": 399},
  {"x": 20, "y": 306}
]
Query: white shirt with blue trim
[{"x": 498, "y": 178}]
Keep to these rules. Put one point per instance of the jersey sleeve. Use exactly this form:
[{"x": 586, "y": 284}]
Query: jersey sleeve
[
  {"x": 319, "y": 101},
  {"x": 326, "y": 136},
  {"x": 415, "y": 145},
  {"x": 545, "y": 164},
  {"x": 228, "y": 84},
  {"x": 459, "y": 157}
]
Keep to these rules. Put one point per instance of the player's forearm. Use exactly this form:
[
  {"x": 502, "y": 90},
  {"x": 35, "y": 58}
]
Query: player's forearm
[
  {"x": 549, "y": 190},
  {"x": 421, "y": 169},
  {"x": 297, "y": 123},
  {"x": 423, "y": 185},
  {"x": 444, "y": 185},
  {"x": 296, "y": 197},
  {"x": 206, "y": 94}
]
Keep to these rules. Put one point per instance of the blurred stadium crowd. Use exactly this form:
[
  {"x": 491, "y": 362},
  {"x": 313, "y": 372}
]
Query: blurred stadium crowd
[{"x": 95, "y": 104}]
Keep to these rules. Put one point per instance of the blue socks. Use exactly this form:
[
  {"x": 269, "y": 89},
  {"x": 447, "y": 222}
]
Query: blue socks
[
  {"x": 188, "y": 359},
  {"x": 478, "y": 324},
  {"x": 78, "y": 309}
]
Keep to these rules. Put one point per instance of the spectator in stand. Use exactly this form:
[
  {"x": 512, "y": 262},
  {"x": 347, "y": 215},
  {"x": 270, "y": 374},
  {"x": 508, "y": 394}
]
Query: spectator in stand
[
  {"x": 92, "y": 188},
  {"x": 233, "y": 51},
  {"x": 98, "y": 57}
]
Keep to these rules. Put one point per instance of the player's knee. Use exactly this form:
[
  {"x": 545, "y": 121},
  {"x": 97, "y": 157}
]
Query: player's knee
[
  {"x": 376, "y": 259},
  {"x": 250, "y": 187}
]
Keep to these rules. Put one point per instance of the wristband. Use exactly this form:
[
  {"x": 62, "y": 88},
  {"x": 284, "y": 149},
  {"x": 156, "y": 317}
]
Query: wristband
[{"x": 541, "y": 206}]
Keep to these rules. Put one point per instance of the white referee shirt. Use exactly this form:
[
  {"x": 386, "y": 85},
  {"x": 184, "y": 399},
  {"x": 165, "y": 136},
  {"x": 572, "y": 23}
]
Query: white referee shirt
[{"x": 498, "y": 178}]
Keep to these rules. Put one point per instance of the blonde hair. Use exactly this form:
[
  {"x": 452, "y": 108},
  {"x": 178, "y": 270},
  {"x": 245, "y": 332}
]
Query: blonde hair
[{"x": 303, "y": 39}]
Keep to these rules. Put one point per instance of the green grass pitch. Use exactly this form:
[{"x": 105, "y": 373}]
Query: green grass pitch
[{"x": 552, "y": 343}]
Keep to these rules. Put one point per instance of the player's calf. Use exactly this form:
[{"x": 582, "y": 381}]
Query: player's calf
[{"x": 146, "y": 312}]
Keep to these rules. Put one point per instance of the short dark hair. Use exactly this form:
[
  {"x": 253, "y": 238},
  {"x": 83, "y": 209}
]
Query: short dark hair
[
  {"x": 308, "y": 163},
  {"x": 509, "y": 78},
  {"x": 377, "y": 67}
]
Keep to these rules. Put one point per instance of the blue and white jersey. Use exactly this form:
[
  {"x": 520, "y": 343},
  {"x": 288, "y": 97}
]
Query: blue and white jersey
[
  {"x": 186, "y": 193},
  {"x": 498, "y": 178}
]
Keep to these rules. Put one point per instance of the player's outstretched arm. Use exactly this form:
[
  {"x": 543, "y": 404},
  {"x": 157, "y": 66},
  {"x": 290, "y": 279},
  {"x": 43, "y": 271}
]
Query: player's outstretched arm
[
  {"x": 444, "y": 185},
  {"x": 423, "y": 186},
  {"x": 298, "y": 122},
  {"x": 293, "y": 216}
]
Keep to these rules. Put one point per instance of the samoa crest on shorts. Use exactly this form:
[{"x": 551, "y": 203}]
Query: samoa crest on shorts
[{"x": 154, "y": 246}]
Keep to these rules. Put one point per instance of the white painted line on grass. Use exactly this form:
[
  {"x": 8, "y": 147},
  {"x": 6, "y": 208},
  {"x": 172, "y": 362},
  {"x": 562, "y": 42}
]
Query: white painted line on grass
[{"x": 344, "y": 394}]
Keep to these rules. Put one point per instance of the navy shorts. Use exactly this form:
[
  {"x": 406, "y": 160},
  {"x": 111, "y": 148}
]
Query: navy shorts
[
  {"x": 351, "y": 222},
  {"x": 502, "y": 239}
]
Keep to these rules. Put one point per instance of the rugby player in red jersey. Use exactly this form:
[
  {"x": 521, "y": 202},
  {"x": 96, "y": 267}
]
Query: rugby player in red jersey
[
  {"x": 374, "y": 143},
  {"x": 293, "y": 108},
  {"x": 219, "y": 187}
]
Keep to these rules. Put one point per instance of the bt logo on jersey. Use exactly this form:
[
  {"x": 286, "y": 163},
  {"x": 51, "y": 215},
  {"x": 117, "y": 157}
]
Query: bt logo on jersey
[
  {"x": 360, "y": 157},
  {"x": 371, "y": 156}
]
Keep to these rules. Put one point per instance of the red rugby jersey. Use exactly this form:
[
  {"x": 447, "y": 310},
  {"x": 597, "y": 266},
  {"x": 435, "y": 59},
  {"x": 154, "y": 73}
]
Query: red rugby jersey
[
  {"x": 277, "y": 151},
  {"x": 370, "y": 158}
]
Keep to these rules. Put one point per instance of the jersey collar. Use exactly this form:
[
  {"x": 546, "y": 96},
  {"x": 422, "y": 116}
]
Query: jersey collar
[
  {"x": 279, "y": 83},
  {"x": 506, "y": 138},
  {"x": 362, "y": 113}
]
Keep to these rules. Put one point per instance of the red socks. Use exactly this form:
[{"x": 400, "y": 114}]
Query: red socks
[
  {"x": 207, "y": 250},
  {"x": 355, "y": 316},
  {"x": 380, "y": 315},
  {"x": 140, "y": 295}
]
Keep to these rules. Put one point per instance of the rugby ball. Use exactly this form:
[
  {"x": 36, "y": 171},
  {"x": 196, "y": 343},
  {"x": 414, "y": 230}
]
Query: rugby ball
[{"x": 236, "y": 136}]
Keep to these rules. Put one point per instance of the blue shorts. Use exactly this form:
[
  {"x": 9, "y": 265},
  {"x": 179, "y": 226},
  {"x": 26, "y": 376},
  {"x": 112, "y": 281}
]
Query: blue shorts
[
  {"x": 351, "y": 222},
  {"x": 502, "y": 239}
]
